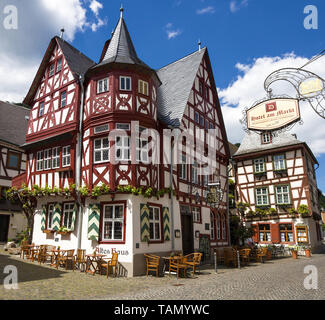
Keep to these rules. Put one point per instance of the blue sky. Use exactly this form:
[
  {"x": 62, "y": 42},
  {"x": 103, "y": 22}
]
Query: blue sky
[{"x": 246, "y": 40}]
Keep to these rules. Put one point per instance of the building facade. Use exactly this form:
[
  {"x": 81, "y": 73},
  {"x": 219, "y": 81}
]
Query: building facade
[
  {"x": 12, "y": 163},
  {"x": 275, "y": 176},
  {"x": 100, "y": 127}
]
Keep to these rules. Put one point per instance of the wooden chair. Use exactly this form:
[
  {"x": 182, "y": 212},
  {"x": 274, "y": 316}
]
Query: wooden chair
[
  {"x": 152, "y": 263},
  {"x": 245, "y": 255},
  {"x": 41, "y": 253},
  {"x": 175, "y": 265},
  {"x": 261, "y": 255},
  {"x": 111, "y": 262},
  {"x": 80, "y": 259},
  {"x": 193, "y": 260},
  {"x": 65, "y": 257},
  {"x": 49, "y": 254},
  {"x": 24, "y": 249},
  {"x": 230, "y": 255}
]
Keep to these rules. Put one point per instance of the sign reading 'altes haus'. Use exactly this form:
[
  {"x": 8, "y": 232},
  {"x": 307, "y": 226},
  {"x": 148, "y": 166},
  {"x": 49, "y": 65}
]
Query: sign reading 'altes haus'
[{"x": 273, "y": 114}]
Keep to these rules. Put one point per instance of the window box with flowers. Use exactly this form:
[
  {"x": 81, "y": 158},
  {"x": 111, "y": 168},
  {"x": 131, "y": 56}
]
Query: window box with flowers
[
  {"x": 48, "y": 231},
  {"x": 63, "y": 231}
]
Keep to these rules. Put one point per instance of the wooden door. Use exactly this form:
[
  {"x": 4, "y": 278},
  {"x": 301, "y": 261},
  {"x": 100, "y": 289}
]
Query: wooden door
[
  {"x": 187, "y": 233},
  {"x": 4, "y": 227}
]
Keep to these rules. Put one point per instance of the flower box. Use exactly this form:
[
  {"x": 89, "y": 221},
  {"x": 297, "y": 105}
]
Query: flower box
[
  {"x": 63, "y": 233},
  {"x": 48, "y": 231}
]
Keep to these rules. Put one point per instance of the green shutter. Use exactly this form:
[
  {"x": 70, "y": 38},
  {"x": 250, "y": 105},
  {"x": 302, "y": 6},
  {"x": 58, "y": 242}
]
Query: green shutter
[
  {"x": 43, "y": 220},
  {"x": 93, "y": 222},
  {"x": 166, "y": 223},
  {"x": 144, "y": 222},
  {"x": 56, "y": 220},
  {"x": 74, "y": 215}
]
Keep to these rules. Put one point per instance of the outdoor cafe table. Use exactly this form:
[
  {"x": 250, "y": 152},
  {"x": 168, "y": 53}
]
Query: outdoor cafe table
[
  {"x": 167, "y": 260},
  {"x": 33, "y": 251},
  {"x": 56, "y": 253},
  {"x": 91, "y": 260}
]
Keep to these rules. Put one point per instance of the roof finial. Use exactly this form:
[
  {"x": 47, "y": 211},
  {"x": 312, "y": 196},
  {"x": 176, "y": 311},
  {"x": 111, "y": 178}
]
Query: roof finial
[
  {"x": 62, "y": 32},
  {"x": 121, "y": 9},
  {"x": 199, "y": 43}
]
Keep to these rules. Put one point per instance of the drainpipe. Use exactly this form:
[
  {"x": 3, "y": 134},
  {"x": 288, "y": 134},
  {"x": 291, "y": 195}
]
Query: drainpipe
[
  {"x": 171, "y": 186},
  {"x": 228, "y": 209},
  {"x": 79, "y": 159}
]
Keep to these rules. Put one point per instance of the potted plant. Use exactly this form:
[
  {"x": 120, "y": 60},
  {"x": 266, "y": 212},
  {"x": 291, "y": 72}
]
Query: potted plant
[
  {"x": 63, "y": 231},
  {"x": 294, "y": 251},
  {"x": 307, "y": 250},
  {"x": 303, "y": 210}
]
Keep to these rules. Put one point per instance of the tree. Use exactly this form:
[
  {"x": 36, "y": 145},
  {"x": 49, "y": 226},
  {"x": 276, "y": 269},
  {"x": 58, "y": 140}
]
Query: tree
[{"x": 239, "y": 233}]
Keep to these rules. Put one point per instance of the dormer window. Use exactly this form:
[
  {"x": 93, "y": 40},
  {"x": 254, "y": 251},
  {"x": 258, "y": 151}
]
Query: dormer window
[
  {"x": 125, "y": 83},
  {"x": 59, "y": 65},
  {"x": 102, "y": 85},
  {"x": 51, "y": 70},
  {"x": 143, "y": 87},
  {"x": 266, "y": 137}
]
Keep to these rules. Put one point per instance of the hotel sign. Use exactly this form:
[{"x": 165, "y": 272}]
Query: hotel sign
[
  {"x": 311, "y": 87},
  {"x": 273, "y": 114}
]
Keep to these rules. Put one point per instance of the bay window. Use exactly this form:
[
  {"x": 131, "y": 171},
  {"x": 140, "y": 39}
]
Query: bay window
[
  {"x": 125, "y": 83},
  {"x": 122, "y": 148},
  {"x": 102, "y": 85}
]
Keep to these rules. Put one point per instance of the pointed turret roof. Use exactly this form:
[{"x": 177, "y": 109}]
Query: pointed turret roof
[{"x": 121, "y": 48}]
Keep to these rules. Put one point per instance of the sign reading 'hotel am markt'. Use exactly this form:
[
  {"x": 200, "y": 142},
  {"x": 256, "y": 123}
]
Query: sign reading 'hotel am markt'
[{"x": 273, "y": 114}]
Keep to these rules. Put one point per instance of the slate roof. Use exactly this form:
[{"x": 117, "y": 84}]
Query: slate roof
[
  {"x": 77, "y": 61},
  {"x": 121, "y": 48},
  {"x": 177, "y": 81},
  {"x": 232, "y": 148},
  {"x": 252, "y": 143},
  {"x": 13, "y": 125}
]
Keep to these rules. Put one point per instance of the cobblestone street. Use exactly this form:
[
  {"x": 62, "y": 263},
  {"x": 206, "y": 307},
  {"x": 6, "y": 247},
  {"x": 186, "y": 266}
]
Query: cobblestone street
[{"x": 274, "y": 280}]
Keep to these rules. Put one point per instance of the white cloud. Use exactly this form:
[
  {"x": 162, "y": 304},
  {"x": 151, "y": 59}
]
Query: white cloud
[
  {"x": 237, "y": 5},
  {"x": 95, "y": 6},
  {"x": 249, "y": 87},
  {"x": 206, "y": 10},
  {"x": 21, "y": 50},
  {"x": 172, "y": 33}
]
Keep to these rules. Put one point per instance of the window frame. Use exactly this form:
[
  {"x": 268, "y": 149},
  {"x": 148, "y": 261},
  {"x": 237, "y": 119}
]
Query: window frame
[
  {"x": 140, "y": 150},
  {"x": 277, "y": 193},
  {"x": 70, "y": 212},
  {"x": 39, "y": 108},
  {"x": 123, "y": 219},
  {"x": 13, "y": 153},
  {"x": 57, "y": 157},
  {"x": 101, "y": 150},
  {"x": 275, "y": 161},
  {"x": 48, "y": 159},
  {"x": 98, "y": 83},
  {"x": 56, "y": 65},
  {"x": 50, "y": 74},
  {"x": 120, "y": 83},
  {"x": 264, "y": 165},
  {"x": 47, "y": 227},
  {"x": 143, "y": 84},
  {"x": 182, "y": 173},
  {"x": 266, "y": 134},
  {"x": 285, "y": 231},
  {"x": 39, "y": 161},
  {"x": 197, "y": 216},
  {"x": 154, "y": 205},
  {"x": 65, "y": 99},
  {"x": 64, "y": 156},
  {"x": 267, "y": 195},
  {"x": 122, "y": 148},
  {"x": 265, "y": 231}
]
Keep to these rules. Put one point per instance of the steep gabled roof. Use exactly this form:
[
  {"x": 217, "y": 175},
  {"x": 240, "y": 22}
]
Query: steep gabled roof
[
  {"x": 252, "y": 143},
  {"x": 177, "y": 81},
  {"x": 77, "y": 61},
  {"x": 13, "y": 125},
  {"x": 121, "y": 48}
]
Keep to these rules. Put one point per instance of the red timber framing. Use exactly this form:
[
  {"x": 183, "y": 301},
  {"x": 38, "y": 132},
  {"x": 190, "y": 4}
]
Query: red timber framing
[
  {"x": 294, "y": 176},
  {"x": 7, "y": 172}
]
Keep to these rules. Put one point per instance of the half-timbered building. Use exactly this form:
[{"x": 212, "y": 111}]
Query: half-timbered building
[
  {"x": 81, "y": 131},
  {"x": 275, "y": 176},
  {"x": 13, "y": 125}
]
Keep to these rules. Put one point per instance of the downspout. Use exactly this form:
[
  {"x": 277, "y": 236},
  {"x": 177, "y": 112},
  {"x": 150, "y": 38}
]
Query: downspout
[
  {"x": 228, "y": 209},
  {"x": 79, "y": 159}
]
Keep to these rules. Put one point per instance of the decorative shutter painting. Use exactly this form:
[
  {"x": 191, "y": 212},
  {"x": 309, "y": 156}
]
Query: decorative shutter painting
[
  {"x": 74, "y": 215},
  {"x": 56, "y": 219},
  {"x": 144, "y": 222},
  {"x": 166, "y": 223},
  {"x": 93, "y": 222},
  {"x": 43, "y": 219}
]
